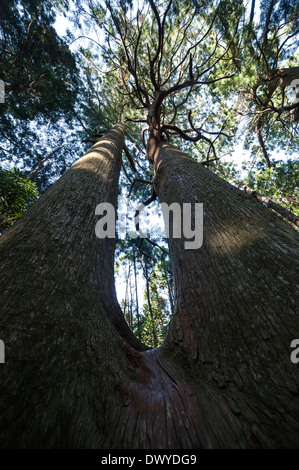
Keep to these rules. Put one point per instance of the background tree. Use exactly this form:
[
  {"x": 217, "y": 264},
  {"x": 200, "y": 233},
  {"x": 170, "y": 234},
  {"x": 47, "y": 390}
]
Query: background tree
[
  {"x": 156, "y": 311},
  {"x": 279, "y": 182},
  {"x": 41, "y": 86},
  {"x": 264, "y": 55}
]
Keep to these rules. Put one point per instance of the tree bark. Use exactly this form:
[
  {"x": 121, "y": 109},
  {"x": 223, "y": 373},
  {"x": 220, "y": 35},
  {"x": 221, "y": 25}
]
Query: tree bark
[
  {"x": 76, "y": 377},
  {"x": 235, "y": 310},
  {"x": 63, "y": 330}
]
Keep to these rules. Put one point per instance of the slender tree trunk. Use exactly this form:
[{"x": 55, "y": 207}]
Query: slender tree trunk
[
  {"x": 168, "y": 288},
  {"x": 136, "y": 294},
  {"x": 259, "y": 131},
  {"x": 131, "y": 303},
  {"x": 76, "y": 377},
  {"x": 252, "y": 11},
  {"x": 150, "y": 306},
  {"x": 126, "y": 302}
]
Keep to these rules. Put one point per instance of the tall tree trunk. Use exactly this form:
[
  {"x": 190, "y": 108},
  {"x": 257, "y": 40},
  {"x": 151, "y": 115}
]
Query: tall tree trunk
[
  {"x": 235, "y": 315},
  {"x": 131, "y": 303},
  {"x": 76, "y": 377},
  {"x": 63, "y": 330},
  {"x": 126, "y": 301}
]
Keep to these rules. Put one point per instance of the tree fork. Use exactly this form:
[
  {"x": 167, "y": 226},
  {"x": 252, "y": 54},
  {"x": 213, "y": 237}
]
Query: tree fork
[{"x": 76, "y": 377}]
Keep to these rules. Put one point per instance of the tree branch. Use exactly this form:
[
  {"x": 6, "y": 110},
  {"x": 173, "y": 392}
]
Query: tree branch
[
  {"x": 273, "y": 205},
  {"x": 39, "y": 166}
]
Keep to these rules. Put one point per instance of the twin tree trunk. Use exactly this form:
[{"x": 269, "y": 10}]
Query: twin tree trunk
[{"x": 76, "y": 377}]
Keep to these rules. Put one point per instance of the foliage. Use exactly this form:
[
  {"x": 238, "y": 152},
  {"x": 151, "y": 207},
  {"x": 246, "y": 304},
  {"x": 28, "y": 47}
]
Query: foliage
[
  {"x": 149, "y": 321},
  {"x": 264, "y": 55},
  {"x": 279, "y": 183},
  {"x": 39, "y": 71},
  {"x": 16, "y": 195},
  {"x": 155, "y": 319},
  {"x": 42, "y": 82}
]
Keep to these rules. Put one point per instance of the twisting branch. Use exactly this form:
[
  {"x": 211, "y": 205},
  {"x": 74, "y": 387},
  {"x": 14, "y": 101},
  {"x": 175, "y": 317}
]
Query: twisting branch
[
  {"x": 82, "y": 124},
  {"x": 132, "y": 68},
  {"x": 186, "y": 84},
  {"x": 159, "y": 47},
  {"x": 191, "y": 48},
  {"x": 152, "y": 243},
  {"x": 162, "y": 40},
  {"x": 207, "y": 162},
  {"x": 187, "y": 137}
]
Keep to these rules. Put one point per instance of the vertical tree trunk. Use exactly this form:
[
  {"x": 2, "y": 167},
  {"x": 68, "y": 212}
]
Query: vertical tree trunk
[
  {"x": 131, "y": 304},
  {"x": 136, "y": 294},
  {"x": 126, "y": 301},
  {"x": 63, "y": 330},
  {"x": 235, "y": 316},
  {"x": 259, "y": 131},
  {"x": 252, "y": 11}
]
